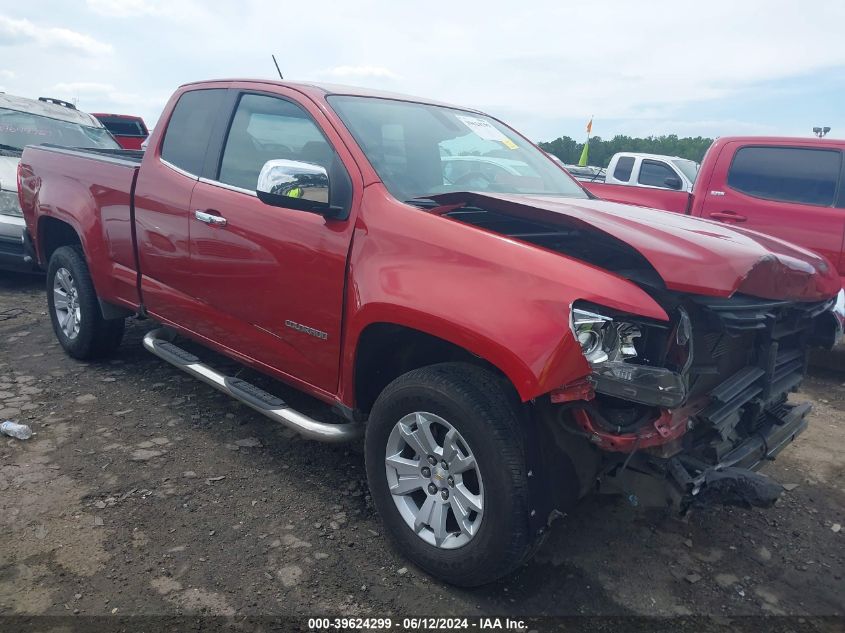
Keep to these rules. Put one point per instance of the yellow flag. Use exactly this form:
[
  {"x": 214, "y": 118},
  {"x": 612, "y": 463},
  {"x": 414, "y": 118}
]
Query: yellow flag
[{"x": 585, "y": 154}]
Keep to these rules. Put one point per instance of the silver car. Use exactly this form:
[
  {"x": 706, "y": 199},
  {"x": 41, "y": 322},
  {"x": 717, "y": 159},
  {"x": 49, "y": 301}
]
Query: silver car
[{"x": 35, "y": 122}]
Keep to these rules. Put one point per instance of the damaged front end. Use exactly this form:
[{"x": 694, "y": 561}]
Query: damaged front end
[
  {"x": 680, "y": 411},
  {"x": 686, "y": 412}
]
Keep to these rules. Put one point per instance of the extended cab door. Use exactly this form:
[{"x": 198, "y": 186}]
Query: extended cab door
[
  {"x": 271, "y": 280},
  {"x": 169, "y": 172},
  {"x": 791, "y": 192}
]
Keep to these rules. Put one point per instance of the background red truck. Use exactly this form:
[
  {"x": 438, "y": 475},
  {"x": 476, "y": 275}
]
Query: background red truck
[
  {"x": 128, "y": 130},
  {"x": 791, "y": 188},
  {"x": 507, "y": 343}
]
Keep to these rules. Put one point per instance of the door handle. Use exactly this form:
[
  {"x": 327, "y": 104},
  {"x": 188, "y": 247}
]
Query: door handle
[
  {"x": 209, "y": 218},
  {"x": 728, "y": 216}
]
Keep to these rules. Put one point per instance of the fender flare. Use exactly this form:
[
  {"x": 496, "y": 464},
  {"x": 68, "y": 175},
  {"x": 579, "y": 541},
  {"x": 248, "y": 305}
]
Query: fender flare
[{"x": 529, "y": 382}]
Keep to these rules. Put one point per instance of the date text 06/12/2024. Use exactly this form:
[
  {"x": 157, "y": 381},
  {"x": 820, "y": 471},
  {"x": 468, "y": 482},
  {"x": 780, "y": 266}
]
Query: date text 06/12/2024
[{"x": 418, "y": 623}]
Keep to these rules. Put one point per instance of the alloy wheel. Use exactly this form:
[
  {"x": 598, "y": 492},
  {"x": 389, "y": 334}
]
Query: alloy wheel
[
  {"x": 66, "y": 303},
  {"x": 434, "y": 479}
]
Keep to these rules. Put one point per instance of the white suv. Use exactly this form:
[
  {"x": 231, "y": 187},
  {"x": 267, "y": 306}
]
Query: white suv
[{"x": 35, "y": 122}]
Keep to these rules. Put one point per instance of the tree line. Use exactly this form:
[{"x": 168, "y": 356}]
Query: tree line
[{"x": 569, "y": 150}]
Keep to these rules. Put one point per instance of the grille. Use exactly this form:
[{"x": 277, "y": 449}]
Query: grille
[
  {"x": 748, "y": 355},
  {"x": 743, "y": 314}
]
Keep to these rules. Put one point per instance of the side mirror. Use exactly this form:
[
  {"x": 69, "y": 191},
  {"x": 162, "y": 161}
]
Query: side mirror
[
  {"x": 293, "y": 184},
  {"x": 673, "y": 182}
]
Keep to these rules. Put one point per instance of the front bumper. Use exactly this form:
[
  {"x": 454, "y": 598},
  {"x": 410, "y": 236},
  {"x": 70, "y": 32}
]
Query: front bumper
[
  {"x": 749, "y": 354},
  {"x": 685, "y": 480}
]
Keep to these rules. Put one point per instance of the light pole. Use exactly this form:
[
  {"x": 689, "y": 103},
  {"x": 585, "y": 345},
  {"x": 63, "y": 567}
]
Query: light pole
[{"x": 821, "y": 131}]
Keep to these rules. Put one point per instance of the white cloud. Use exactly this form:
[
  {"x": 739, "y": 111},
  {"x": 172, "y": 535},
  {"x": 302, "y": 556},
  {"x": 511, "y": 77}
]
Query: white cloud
[
  {"x": 14, "y": 32},
  {"x": 544, "y": 66},
  {"x": 541, "y": 63},
  {"x": 7, "y": 74},
  {"x": 129, "y": 8},
  {"x": 83, "y": 87},
  {"x": 134, "y": 101},
  {"x": 193, "y": 12},
  {"x": 98, "y": 97},
  {"x": 361, "y": 72}
]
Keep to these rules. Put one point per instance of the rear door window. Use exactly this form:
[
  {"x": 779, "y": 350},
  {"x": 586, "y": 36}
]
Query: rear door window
[
  {"x": 624, "y": 166},
  {"x": 787, "y": 174},
  {"x": 189, "y": 129},
  {"x": 654, "y": 173}
]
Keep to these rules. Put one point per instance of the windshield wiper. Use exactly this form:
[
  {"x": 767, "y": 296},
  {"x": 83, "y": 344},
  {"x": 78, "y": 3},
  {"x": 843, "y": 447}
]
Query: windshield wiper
[{"x": 10, "y": 148}]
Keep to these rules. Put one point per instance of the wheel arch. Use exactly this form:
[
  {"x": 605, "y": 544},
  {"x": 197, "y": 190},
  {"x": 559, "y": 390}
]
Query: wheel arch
[
  {"x": 54, "y": 233},
  {"x": 384, "y": 350}
]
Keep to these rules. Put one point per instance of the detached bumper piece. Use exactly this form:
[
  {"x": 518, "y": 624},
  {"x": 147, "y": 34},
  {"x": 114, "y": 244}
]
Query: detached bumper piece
[
  {"x": 733, "y": 481},
  {"x": 738, "y": 487}
]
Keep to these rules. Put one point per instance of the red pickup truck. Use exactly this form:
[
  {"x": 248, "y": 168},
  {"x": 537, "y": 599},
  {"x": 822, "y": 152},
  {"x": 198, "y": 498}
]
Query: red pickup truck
[
  {"x": 128, "y": 130},
  {"x": 791, "y": 188},
  {"x": 505, "y": 343}
]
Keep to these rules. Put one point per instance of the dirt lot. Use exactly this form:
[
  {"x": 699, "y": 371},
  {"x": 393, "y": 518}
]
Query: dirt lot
[{"x": 145, "y": 492}]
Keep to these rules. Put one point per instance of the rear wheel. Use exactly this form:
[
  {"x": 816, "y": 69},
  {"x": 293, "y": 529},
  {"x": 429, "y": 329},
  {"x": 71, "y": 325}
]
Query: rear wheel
[
  {"x": 74, "y": 311},
  {"x": 446, "y": 469}
]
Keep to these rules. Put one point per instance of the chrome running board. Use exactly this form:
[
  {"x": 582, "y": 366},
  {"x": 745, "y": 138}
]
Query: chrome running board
[{"x": 159, "y": 342}]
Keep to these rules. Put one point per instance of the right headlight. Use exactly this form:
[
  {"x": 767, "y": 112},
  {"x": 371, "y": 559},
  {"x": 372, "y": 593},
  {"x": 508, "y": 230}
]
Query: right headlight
[
  {"x": 610, "y": 346},
  {"x": 9, "y": 204},
  {"x": 602, "y": 338}
]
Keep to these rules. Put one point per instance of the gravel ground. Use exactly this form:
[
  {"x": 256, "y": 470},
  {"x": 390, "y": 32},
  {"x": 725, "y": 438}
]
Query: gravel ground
[{"x": 146, "y": 492}]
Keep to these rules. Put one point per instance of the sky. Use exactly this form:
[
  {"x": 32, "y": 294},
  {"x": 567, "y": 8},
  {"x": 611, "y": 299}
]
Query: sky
[{"x": 643, "y": 67}]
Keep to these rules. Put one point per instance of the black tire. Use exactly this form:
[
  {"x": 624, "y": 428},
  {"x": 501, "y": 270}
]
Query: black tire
[
  {"x": 483, "y": 409},
  {"x": 97, "y": 337}
]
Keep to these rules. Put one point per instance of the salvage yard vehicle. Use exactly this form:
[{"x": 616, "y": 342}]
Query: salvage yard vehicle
[
  {"x": 586, "y": 173},
  {"x": 791, "y": 188},
  {"x": 30, "y": 122},
  {"x": 505, "y": 350},
  {"x": 128, "y": 130},
  {"x": 636, "y": 169}
]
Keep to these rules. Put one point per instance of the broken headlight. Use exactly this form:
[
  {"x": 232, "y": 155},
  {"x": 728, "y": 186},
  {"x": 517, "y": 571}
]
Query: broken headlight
[
  {"x": 602, "y": 338},
  {"x": 610, "y": 345}
]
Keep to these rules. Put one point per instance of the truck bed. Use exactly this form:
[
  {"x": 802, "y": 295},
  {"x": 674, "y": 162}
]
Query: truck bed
[
  {"x": 124, "y": 155},
  {"x": 90, "y": 190}
]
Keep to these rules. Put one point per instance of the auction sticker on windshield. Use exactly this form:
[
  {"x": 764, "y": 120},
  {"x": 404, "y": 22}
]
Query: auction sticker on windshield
[{"x": 485, "y": 130}]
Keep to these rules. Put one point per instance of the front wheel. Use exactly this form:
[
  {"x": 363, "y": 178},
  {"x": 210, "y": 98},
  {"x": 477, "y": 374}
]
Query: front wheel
[
  {"x": 74, "y": 311},
  {"x": 446, "y": 468}
]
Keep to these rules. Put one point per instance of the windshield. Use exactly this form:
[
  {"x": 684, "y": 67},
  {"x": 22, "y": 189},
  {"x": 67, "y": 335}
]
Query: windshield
[
  {"x": 19, "y": 129},
  {"x": 688, "y": 167},
  {"x": 422, "y": 150}
]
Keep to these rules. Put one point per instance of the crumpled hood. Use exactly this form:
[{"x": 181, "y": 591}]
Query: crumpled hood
[
  {"x": 9, "y": 172},
  {"x": 691, "y": 255}
]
